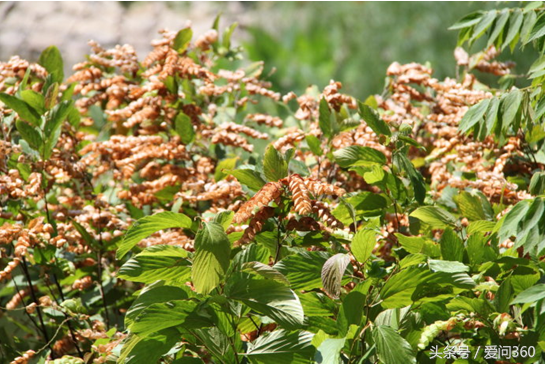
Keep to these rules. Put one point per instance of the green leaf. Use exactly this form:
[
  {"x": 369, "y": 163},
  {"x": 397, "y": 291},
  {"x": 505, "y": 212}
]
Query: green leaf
[
  {"x": 452, "y": 247},
  {"x": 332, "y": 273},
  {"x": 412, "y": 245},
  {"x": 324, "y": 120},
  {"x": 484, "y": 24},
  {"x": 184, "y": 128},
  {"x": 256, "y": 267},
  {"x": 224, "y": 218},
  {"x": 329, "y": 351},
  {"x": 35, "y": 100},
  {"x": 29, "y": 134},
  {"x": 251, "y": 178},
  {"x": 363, "y": 244},
  {"x": 417, "y": 181},
  {"x": 51, "y": 60},
  {"x": 282, "y": 347},
  {"x": 146, "y": 226},
  {"x": 151, "y": 295},
  {"x": 470, "y": 206},
  {"x": 182, "y": 39},
  {"x": 510, "y": 106},
  {"x": 158, "y": 316},
  {"x": 373, "y": 120},
  {"x": 473, "y": 116},
  {"x": 274, "y": 165},
  {"x": 530, "y": 295},
  {"x": 436, "y": 217},
  {"x": 53, "y": 124},
  {"x": 270, "y": 298},
  {"x": 161, "y": 262},
  {"x": 504, "y": 296},
  {"x": 223, "y": 166},
  {"x": 147, "y": 349},
  {"x": 498, "y": 26},
  {"x": 314, "y": 144},
  {"x": 538, "y": 29},
  {"x": 22, "y": 109},
  {"x": 212, "y": 256},
  {"x": 303, "y": 269},
  {"x": 447, "y": 266},
  {"x": 467, "y": 21},
  {"x": 537, "y": 184},
  {"x": 515, "y": 22},
  {"x": 351, "y": 311},
  {"x": 391, "y": 347},
  {"x": 358, "y": 156}
]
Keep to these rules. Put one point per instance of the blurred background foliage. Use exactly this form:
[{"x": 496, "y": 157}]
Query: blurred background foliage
[
  {"x": 354, "y": 42},
  {"x": 305, "y": 42}
]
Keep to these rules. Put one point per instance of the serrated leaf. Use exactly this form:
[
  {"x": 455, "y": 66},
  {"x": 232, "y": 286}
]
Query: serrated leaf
[
  {"x": 362, "y": 245},
  {"x": 147, "y": 349},
  {"x": 452, "y": 247},
  {"x": 274, "y": 165},
  {"x": 182, "y": 39},
  {"x": 223, "y": 166},
  {"x": 498, "y": 26},
  {"x": 146, "y": 226},
  {"x": 436, "y": 217},
  {"x": 212, "y": 256},
  {"x": 447, "y": 266},
  {"x": 51, "y": 60},
  {"x": 538, "y": 30},
  {"x": 332, "y": 273},
  {"x": 270, "y": 298},
  {"x": 470, "y": 206},
  {"x": 256, "y": 267},
  {"x": 22, "y": 109},
  {"x": 29, "y": 134},
  {"x": 324, "y": 120},
  {"x": 373, "y": 120},
  {"x": 358, "y": 156},
  {"x": 161, "y": 262},
  {"x": 314, "y": 144},
  {"x": 467, "y": 21},
  {"x": 158, "y": 316},
  {"x": 391, "y": 347},
  {"x": 35, "y": 100},
  {"x": 530, "y": 295},
  {"x": 515, "y": 22},
  {"x": 282, "y": 347},
  {"x": 251, "y": 178},
  {"x": 473, "y": 116},
  {"x": 510, "y": 106},
  {"x": 485, "y": 22},
  {"x": 184, "y": 128},
  {"x": 329, "y": 351},
  {"x": 303, "y": 269}
]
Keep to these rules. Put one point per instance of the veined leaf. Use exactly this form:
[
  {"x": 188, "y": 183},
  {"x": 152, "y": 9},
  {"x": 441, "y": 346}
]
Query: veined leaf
[
  {"x": 324, "y": 120},
  {"x": 251, "y": 178},
  {"x": 223, "y": 166},
  {"x": 391, "y": 347},
  {"x": 373, "y": 120},
  {"x": 363, "y": 244},
  {"x": 530, "y": 295},
  {"x": 147, "y": 349},
  {"x": 162, "y": 262},
  {"x": 146, "y": 226},
  {"x": 212, "y": 256},
  {"x": 358, "y": 156},
  {"x": 282, "y": 347},
  {"x": 256, "y": 267},
  {"x": 332, "y": 273},
  {"x": 473, "y": 116},
  {"x": 434, "y": 216},
  {"x": 184, "y": 128},
  {"x": 24, "y": 110},
  {"x": 29, "y": 134},
  {"x": 182, "y": 39},
  {"x": 270, "y": 298},
  {"x": 467, "y": 21},
  {"x": 51, "y": 60},
  {"x": 274, "y": 165}
]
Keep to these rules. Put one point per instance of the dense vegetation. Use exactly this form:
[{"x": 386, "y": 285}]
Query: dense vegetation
[{"x": 156, "y": 211}]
